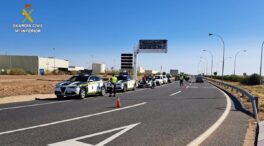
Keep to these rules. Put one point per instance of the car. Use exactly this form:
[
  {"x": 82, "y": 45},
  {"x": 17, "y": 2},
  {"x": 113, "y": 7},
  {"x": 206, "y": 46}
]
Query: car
[
  {"x": 165, "y": 79},
  {"x": 159, "y": 80},
  {"x": 199, "y": 79},
  {"x": 80, "y": 85},
  {"x": 169, "y": 78},
  {"x": 124, "y": 83}
]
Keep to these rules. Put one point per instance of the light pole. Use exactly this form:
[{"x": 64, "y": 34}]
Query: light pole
[
  {"x": 220, "y": 62},
  {"x": 198, "y": 70},
  {"x": 223, "y": 65},
  {"x": 54, "y": 60},
  {"x": 260, "y": 80},
  {"x": 235, "y": 59},
  {"x": 212, "y": 61},
  {"x": 206, "y": 63}
]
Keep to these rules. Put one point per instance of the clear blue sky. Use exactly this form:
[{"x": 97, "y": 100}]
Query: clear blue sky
[{"x": 79, "y": 29}]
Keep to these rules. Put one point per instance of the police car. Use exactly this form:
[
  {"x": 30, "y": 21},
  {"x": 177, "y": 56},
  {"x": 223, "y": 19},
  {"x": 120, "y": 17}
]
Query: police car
[
  {"x": 124, "y": 83},
  {"x": 80, "y": 85}
]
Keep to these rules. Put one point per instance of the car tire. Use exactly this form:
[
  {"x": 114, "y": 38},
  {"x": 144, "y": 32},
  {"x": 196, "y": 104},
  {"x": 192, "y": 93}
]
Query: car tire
[
  {"x": 82, "y": 93},
  {"x": 125, "y": 89},
  {"x": 134, "y": 88},
  {"x": 103, "y": 91},
  {"x": 59, "y": 96}
]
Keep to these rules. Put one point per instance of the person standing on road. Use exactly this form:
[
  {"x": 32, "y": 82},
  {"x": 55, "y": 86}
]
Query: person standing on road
[
  {"x": 113, "y": 82},
  {"x": 181, "y": 80}
]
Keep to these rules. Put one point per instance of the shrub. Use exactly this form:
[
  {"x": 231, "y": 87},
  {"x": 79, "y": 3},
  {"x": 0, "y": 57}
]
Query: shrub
[
  {"x": 251, "y": 80},
  {"x": 17, "y": 71}
]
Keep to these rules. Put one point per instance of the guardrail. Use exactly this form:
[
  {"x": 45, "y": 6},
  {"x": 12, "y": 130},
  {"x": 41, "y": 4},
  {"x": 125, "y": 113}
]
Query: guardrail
[{"x": 252, "y": 98}]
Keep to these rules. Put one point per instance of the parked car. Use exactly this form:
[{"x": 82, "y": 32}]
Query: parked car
[
  {"x": 80, "y": 85},
  {"x": 124, "y": 83},
  {"x": 169, "y": 78},
  {"x": 159, "y": 80},
  {"x": 165, "y": 79}
]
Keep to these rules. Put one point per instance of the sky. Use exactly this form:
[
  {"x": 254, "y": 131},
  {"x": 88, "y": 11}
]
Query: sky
[{"x": 85, "y": 31}]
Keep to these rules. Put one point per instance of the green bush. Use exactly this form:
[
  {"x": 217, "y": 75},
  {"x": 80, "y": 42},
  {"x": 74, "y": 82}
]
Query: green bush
[
  {"x": 17, "y": 71},
  {"x": 251, "y": 80}
]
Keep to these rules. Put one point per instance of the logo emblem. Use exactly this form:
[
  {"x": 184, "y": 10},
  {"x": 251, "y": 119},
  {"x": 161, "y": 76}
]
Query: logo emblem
[{"x": 27, "y": 11}]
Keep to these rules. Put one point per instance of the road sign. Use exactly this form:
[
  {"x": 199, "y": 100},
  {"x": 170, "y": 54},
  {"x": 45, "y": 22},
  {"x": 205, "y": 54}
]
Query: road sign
[
  {"x": 77, "y": 141},
  {"x": 126, "y": 61},
  {"x": 152, "y": 46}
]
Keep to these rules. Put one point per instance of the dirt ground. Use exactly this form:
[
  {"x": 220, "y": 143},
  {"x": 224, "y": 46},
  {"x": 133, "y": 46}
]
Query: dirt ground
[{"x": 11, "y": 85}]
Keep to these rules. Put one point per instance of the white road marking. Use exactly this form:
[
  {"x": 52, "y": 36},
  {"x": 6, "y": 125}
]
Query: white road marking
[
  {"x": 32, "y": 105},
  {"x": 209, "y": 131},
  {"x": 72, "y": 119},
  {"x": 175, "y": 93},
  {"x": 76, "y": 142}
]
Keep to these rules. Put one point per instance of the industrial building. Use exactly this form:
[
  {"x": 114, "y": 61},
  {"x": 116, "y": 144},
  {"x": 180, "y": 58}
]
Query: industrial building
[
  {"x": 98, "y": 68},
  {"x": 149, "y": 72},
  {"x": 141, "y": 70},
  {"x": 33, "y": 64},
  {"x": 75, "y": 68}
]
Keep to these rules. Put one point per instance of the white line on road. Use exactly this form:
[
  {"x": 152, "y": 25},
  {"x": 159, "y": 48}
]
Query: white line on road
[
  {"x": 175, "y": 93},
  {"x": 209, "y": 131},
  {"x": 32, "y": 105},
  {"x": 72, "y": 119},
  {"x": 77, "y": 142}
]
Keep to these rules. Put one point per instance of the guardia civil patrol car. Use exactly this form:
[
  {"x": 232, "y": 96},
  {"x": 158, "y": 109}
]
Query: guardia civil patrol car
[
  {"x": 80, "y": 85},
  {"x": 124, "y": 83}
]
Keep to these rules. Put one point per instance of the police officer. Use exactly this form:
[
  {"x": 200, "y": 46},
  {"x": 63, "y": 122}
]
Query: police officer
[
  {"x": 113, "y": 82},
  {"x": 181, "y": 80}
]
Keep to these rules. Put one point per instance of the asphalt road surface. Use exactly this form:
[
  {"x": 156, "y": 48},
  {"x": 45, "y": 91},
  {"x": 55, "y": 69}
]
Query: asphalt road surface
[{"x": 166, "y": 116}]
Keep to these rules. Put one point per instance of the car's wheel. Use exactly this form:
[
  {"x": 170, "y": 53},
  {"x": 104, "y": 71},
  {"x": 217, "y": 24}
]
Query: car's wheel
[
  {"x": 102, "y": 91},
  {"x": 134, "y": 88},
  {"x": 125, "y": 89},
  {"x": 82, "y": 93},
  {"x": 59, "y": 96}
]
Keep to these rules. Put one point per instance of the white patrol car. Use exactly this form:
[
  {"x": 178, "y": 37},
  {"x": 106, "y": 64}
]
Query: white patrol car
[
  {"x": 159, "y": 80},
  {"x": 80, "y": 85},
  {"x": 124, "y": 83}
]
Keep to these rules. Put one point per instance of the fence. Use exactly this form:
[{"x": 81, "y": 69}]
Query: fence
[{"x": 252, "y": 98}]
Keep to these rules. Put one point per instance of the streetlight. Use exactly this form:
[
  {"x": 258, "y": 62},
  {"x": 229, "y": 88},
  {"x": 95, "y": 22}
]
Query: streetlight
[
  {"x": 260, "y": 80},
  {"x": 223, "y": 65},
  {"x": 235, "y": 59},
  {"x": 212, "y": 61},
  {"x": 54, "y": 59},
  {"x": 199, "y": 66},
  {"x": 206, "y": 63},
  {"x": 220, "y": 62}
]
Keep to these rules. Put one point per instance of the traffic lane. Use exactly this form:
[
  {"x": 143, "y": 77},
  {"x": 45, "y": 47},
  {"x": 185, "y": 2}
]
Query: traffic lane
[
  {"x": 233, "y": 130},
  {"x": 166, "y": 120},
  {"x": 30, "y": 116}
]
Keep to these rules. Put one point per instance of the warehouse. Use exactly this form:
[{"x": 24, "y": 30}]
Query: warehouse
[{"x": 33, "y": 64}]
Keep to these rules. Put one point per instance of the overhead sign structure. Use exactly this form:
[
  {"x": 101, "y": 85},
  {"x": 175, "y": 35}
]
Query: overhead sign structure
[
  {"x": 153, "y": 46},
  {"x": 126, "y": 61}
]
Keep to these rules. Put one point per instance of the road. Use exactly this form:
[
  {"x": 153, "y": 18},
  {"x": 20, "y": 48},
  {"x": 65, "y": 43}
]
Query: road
[{"x": 166, "y": 116}]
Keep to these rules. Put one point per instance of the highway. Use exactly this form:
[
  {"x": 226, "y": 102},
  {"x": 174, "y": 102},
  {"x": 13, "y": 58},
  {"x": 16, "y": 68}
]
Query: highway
[{"x": 169, "y": 115}]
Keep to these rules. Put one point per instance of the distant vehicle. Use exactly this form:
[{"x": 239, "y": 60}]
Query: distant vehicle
[
  {"x": 124, "y": 83},
  {"x": 169, "y": 78},
  {"x": 146, "y": 84},
  {"x": 199, "y": 79},
  {"x": 80, "y": 85},
  {"x": 159, "y": 80},
  {"x": 165, "y": 79}
]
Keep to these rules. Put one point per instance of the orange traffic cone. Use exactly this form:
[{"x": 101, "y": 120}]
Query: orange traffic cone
[{"x": 118, "y": 103}]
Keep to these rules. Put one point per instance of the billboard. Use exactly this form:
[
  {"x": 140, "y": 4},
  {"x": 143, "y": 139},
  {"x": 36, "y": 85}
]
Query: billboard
[{"x": 153, "y": 46}]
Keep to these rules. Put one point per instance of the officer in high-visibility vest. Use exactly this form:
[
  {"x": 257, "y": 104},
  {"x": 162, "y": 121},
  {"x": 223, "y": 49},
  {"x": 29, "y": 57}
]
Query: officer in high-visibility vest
[
  {"x": 113, "y": 82},
  {"x": 181, "y": 80}
]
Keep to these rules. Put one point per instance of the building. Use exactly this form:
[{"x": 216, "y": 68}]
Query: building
[
  {"x": 141, "y": 70},
  {"x": 149, "y": 72},
  {"x": 75, "y": 68},
  {"x": 98, "y": 68},
  {"x": 33, "y": 64}
]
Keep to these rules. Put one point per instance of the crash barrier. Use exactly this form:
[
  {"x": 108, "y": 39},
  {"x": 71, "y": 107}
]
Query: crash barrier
[{"x": 253, "y": 99}]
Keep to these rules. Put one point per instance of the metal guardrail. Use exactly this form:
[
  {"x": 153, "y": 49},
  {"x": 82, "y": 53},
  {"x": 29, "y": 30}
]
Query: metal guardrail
[{"x": 252, "y": 98}]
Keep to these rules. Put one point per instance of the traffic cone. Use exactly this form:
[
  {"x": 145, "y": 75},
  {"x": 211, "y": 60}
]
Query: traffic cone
[{"x": 118, "y": 103}]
